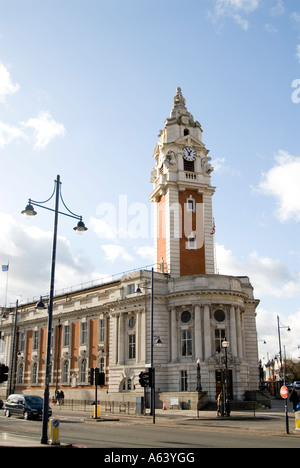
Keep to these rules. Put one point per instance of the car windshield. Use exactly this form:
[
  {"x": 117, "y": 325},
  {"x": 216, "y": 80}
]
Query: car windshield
[{"x": 34, "y": 400}]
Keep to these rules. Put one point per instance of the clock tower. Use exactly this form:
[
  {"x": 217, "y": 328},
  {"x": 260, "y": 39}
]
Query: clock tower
[{"x": 182, "y": 194}]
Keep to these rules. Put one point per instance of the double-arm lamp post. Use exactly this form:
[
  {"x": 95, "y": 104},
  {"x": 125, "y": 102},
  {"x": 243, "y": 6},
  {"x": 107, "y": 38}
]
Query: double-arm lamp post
[
  {"x": 29, "y": 212},
  {"x": 158, "y": 342}
]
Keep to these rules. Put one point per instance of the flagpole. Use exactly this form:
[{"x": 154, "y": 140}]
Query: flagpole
[
  {"x": 213, "y": 233},
  {"x": 6, "y": 284}
]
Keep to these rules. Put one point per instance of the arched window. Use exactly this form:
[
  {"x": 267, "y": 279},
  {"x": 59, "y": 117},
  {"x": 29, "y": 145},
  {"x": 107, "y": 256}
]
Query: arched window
[
  {"x": 34, "y": 373},
  {"x": 65, "y": 375},
  {"x": 102, "y": 365},
  {"x": 83, "y": 371},
  {"x": 20, "y": 373},
  {"x": 126, "y": 385}
]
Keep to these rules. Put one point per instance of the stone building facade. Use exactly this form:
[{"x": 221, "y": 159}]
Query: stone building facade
[{"x": 194, "y": 309}]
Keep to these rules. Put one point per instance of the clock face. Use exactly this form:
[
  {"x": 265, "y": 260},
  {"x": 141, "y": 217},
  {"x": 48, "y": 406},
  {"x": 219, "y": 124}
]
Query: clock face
[{"x": 189, "y": 154}]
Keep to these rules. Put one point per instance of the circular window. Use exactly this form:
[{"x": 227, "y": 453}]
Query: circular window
[
  {"x": 219, "y": 315},
  {"x": 186, "y": 316},
  {"x": 132, "y": 322}
]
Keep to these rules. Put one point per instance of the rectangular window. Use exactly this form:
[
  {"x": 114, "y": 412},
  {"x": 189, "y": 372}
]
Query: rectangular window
[
  {"x": 22, "y": 341},
  {"x": 183, "y": 381},
  {"x": 131, "y": 353},
  {"x": 131, "y": 289},
  {"x": 191, "y": 204},
  {"x": 66, "y": 341},
  {"x": 189, "y": 166},
  {"x": 186, "y": 343},
  {"x": 84, "y": 333},
  {"x": 191, "y": 243},
  {"x": 219, "y": 337},
  {"x": 102, "y": 330},
  {"x": 35, "y": 340}
]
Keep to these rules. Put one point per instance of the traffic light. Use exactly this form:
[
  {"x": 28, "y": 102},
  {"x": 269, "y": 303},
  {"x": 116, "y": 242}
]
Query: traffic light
[
  {"x": 144, "y": 379},
  {"x": 96, "y": 377},
  {"x": 91, "y": 376},
  {"x": 101, "y": 378},
  {"x": 3, "y": 373}
]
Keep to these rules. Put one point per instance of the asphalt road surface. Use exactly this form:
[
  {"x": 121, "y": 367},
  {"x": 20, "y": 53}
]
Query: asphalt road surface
[{"x": 130, "y": 433}]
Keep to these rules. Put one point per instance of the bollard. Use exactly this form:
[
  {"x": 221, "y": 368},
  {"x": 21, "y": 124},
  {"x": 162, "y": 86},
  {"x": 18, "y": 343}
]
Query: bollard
[
  {"x": 297, "y": 420},
  {"x": 97, "y": 411},
  {"x": 53, "y": 432}
]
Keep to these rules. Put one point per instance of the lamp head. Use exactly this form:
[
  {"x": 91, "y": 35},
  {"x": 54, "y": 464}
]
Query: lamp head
[
  {"x": 29, "y": 211},
  {"x": 80, "y": 228},
  {"x": 40, "y": 305}
]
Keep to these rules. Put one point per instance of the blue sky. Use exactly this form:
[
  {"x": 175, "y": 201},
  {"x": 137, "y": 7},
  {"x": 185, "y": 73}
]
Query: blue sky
[{"x": 85, "y": 87}]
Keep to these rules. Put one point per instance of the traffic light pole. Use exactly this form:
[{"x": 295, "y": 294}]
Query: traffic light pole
[
  {"x": 152, "y": 370},
  {"x": 13, "y": 354},
  {"x": 96, "y": 392}
]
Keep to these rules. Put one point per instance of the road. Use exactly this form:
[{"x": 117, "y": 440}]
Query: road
[{"x": 175, "y": 435}]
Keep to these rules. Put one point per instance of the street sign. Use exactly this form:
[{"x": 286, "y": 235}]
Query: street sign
[{"x": 284, "y": 392}]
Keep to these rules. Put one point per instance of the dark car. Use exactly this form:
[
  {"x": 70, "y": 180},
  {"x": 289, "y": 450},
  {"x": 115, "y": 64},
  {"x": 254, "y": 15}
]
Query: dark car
[{"x": 25, "y": 406}]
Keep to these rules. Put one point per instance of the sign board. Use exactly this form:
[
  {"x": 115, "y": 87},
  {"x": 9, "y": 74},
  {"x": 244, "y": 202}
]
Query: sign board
[
  {"x": 284, "y": 392},
  {"x": 174, "y": 401}
]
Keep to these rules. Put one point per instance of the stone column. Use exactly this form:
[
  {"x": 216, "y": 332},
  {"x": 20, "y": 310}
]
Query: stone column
[
  {"x": 137, "y": 337},
  {"x": 114, "y": 354},
  {"x": 233, "y": 334},
  {"x": 207, "y": 334},
  {"x": 239, "y": 333},
  {"x": 174, "y": 344},
  {"x": 121, "y": 350},
  {"x": 198, "y": 334}
]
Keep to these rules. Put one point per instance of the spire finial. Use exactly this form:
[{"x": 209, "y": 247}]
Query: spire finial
[{"x": 179, "y": 99}]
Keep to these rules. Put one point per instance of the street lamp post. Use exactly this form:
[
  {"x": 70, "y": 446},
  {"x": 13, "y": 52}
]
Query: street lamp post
[
  {"x": 152, "y": 370},
  {"x": 279, "y": 326},
  {"x": 13, "y": 351},
  {"x": 225, "y": 345},
  {"x": 29, "y": 212},
  {"x": 199, "y": 386}
]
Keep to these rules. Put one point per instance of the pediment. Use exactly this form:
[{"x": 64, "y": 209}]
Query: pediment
[{"x": 189, "y": 140}]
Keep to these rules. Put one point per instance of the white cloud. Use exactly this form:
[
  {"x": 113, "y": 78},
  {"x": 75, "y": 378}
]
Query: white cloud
[
  {"x": 278, "y": 9},
  {"x": 270, "y": 28},
  {"x": 28, "y": 250},
  {"x": 146, "y": 252},
  {"x": 235, "y": 9},
  {"x": 6, "y": 85},
  {"x": 114, "y": 252},
  {"x": 268, "y": 276},
  {"x": 45, "y": 128},
  {"x": 102, "y": 228},
  {"x": 220, "y": 166},
  {"x": 10, "y": 133},
  {"x": 282, "y": 182},
  {"x": 270, "y": 279},
  {"x": 267, "y": 330},
  {"x": 298, "y": 53}
]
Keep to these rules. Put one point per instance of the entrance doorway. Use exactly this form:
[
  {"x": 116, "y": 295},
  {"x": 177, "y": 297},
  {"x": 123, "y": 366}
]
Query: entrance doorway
[{"x": 220, "y": 376}]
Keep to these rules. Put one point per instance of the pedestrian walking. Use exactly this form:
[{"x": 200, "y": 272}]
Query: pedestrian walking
[
  {"x": 294, "y": 398},
  {"x": 219, "y": 404}
]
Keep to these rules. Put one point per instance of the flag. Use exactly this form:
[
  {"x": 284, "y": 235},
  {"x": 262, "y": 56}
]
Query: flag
[
  {"x": 4, "y": 267},
  {"x": 213, "y": 230}
]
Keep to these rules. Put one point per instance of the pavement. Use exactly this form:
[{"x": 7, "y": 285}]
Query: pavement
[{"x": 270, "y": 422}]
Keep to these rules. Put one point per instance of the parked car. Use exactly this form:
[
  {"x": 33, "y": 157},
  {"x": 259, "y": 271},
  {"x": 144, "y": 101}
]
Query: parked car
[
  {"x": 296, "y": 384},
  {"x": 26, "y": 406}
]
